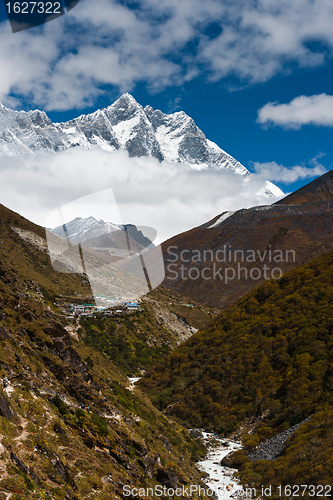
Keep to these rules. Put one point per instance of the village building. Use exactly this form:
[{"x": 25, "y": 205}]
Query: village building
[{"x": 132, "y": 306}]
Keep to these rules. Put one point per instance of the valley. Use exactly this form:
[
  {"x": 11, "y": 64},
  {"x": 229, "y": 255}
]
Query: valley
[
  {"x": 95, "y": 405},
  {"x": 166, "y": 250}
]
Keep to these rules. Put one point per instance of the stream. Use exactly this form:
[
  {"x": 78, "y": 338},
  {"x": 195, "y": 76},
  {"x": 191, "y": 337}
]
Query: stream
[{"x": 221, "y": 479}]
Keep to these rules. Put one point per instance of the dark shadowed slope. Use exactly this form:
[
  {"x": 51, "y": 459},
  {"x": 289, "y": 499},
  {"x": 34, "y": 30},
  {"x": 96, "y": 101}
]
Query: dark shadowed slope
[
  {"x": 276, "y": 236},
  {"x": 317, "y": 191}
]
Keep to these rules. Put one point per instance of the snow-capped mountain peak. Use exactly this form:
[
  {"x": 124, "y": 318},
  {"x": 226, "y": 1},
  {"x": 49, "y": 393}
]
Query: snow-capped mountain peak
[
  {"x": 124, "y": 125},
  {"x": 103, "y": 236},
  {"x": 78, "y": 228}
]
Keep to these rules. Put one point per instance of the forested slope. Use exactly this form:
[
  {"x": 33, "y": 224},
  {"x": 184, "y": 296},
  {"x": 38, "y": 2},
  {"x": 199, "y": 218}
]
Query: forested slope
[{"x": 266, "y": 360}]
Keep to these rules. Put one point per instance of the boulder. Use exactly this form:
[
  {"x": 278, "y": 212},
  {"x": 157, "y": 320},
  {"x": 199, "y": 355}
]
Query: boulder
[
  {"x": 70, "y": 496},
  {"x": 5, "y": 409},
  {"x": 4, "y": 333},
  {"x": 167, "y": 477},
  {"x": 62, "y": 347},
  {"x": 58, "y": 429},
  {"x": 34, "y": 476},
  {"x": 196, "y": 433},
  {"x": 19, "y": 464},
  {"x": 107, "y": 479},
  {"x": 28, "y": 315},
  {"x": 148, "y": 464}
]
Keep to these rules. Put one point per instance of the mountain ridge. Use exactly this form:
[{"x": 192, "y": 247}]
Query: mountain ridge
[
  {"x": 124, "y": 125},
  {"x": 319, "y": 190},
  {"x": 108, "y": 126},
  {"x": 101, "y": 234},
  {"x": 304, "y": 228}
]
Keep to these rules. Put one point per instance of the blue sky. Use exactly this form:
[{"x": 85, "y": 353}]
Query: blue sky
[{"x": 219, "y": 61}]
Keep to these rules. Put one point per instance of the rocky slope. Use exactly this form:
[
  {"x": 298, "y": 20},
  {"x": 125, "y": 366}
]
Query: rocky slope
[
  {"x": 71, "y": 425},
  {"x": 226, "y": 257},
  {"x": 274, "y": 447}
]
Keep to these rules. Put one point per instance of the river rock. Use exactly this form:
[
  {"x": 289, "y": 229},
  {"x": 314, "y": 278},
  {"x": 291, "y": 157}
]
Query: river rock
[{"x": 196, "y": 433}]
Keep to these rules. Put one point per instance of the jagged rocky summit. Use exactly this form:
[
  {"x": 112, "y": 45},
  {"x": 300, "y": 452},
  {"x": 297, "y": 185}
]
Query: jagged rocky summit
[{"x": 123, "y": 125}]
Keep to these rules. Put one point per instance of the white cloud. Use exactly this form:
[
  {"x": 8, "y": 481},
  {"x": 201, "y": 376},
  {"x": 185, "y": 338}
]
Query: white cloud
[
  {"x": 275, "y": 172},
  {"x": 262, "y": 38},
  {"x": 36, "y": 186},
  {"x": 303, "y": 110},
  {"x": 64, "y": 64}
]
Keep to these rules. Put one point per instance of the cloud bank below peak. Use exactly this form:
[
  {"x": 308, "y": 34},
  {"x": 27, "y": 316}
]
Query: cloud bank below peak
[{"x": 35, "y": 186}]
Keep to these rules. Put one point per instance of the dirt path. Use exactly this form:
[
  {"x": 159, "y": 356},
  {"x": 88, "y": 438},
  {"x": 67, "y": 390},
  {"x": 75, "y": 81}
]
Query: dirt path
[
  {"x": 8, "y": 495},
  {"x": 24, "y": 434}
]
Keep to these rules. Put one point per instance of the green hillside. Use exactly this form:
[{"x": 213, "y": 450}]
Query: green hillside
[
  {"x": 267, "y": 361},
  {"x": 133, "y": 341},
  {"x": 71, "y": 425},
  {"x": 136, "y": 341}
]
